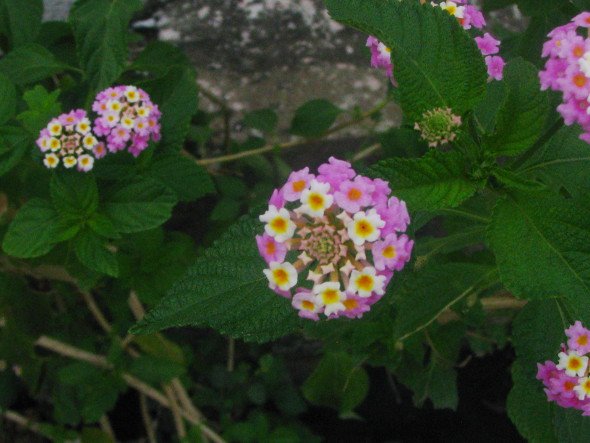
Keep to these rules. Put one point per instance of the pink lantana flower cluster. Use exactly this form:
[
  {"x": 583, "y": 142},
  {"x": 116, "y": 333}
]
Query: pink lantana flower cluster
[
  {"x": 567, "y": 383},
  {"x": 69, "y": 140},
  {"x": 333, "y": 241},
  {"x": 568, "y": 70},
  {"x": 469, "y": 17},
  {"x": 127, "y": 118}
]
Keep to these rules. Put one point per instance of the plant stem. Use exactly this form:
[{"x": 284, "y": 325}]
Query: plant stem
[
  {"x": 493, "y": 303},
  {"x": 147, "y": 421},
  {"x": 22, "y": 421},
  {"x": 291, "y": 144},
  {"x": 178, "y": 421}
]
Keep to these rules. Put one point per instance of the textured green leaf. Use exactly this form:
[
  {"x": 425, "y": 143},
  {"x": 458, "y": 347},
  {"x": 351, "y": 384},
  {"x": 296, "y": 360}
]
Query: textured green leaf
[
  {"x": 74, "y": 195},
  {"x": 437, "y": 180},
  {"x": 43, "y": 106},
  {"x": 226, "y": 290},
  {"x": 188, "y": 180},
  {"x": 314, "y": 118},
  {"x": 29, "y": 64},
  {"x": 140, "y": 205},
  {"x": 512, "y": 180},
  {"x": 34, "y": 231},
  {"x": 542, "y": 247},
  {"x": 425, "y": 42},
  {"x": 7, "y": 99},
  {"x": 93, "y": 254},
  {"x": 563, "y": 160},
  {"x": 177, "y": 96},
  {"x": 571, "y": 426},
  {"x": 486, "y": 112},
  {"x": 338, "y": 382},
  {"x": 523, "y": 114},
  {"x": 20, "y": 20},
  {"x": 431, "y": 291},
  {"x": 14, "y": 143},
  {"x": 101, "y": 33}
]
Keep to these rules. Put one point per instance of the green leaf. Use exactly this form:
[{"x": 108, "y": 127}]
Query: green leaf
[
  {"x": 427, "y": 293},
  {"x": 7, "y": 99},
  {"x": 93, "y": 254},
  {"x": 512, "y": 180},
  {"x": 158, "y": 58},
  {"x": 563, "y": 160},
  {"x": 264, "y": 120},
  {"x": 14, "y": 143},
  {"x": 542, "y": 247},
  {"x": 43, "y": 106},
  {"x": 140, "y": 205},
  {"x": 226, "y": 290},
  {"x": 102, "y": 36},
  {"x": 188, "y": 180},
  {"x": 34, "y": 231},
  {"x": 523, "y": 114},
  {"x": 74, "y": 195},
  {"x": 486, "y": 112},
  {"x": 177, "y": 96},
  {"x": 424, "y": 42},
  {"x": 314, "y": 118},
  {"x": 338, "y": 382},
  {"x": 437, "y": 180},
  {"x": 20, "y": 20},
  {"x": 29, "y": 64},
  {"x": 571, "y": 426}
]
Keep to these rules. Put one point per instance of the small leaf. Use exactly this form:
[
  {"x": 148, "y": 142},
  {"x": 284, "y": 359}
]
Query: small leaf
[
  {"x": 338, "y": 382},
  {"x": 155, "y": 370},
  {"x": 29, "y": 64},
  {"x": 34, "y": 231},
  {"x": 102, "y": 36},
  {"x": 226, "y": 290},
  {"x": 43, "y": 106},
  {"x": 435, "y": 181},
  {"x": 93, "y": 254},
  {"x": 314, "y": 118},
  {"x": 264, "y": 120},
  {"x": 523, "y": 114},
  {"x": 140, "y": 205}
]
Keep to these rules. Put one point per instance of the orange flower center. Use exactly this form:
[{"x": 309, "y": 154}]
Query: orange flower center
[
  {"x": 307, "y": 305},
  {"x": 578, "y": 51},
  {"x": 580, "y": 80},
  {"x": 299, "y": 185},
  {"x": 280, "y": 276},
  {"x": 354, "y": 194},
  {"x": 351, "y": 303},
  {"x": 279, "y": 224},
  {"x": 582, "y": 340},
  {"x": 365, "y": 282}
]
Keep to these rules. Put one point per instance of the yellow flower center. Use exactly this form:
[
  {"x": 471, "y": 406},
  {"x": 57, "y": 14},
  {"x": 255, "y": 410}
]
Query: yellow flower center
[
  {"x": 279, "y": 225},
  {"x": 316, "y": 201},
  {"x": 389, "y": 252},
  {"x": 363, "y": 228},
  {"x": 307, "y": 305},
  {"x": 365, "y": 282},
  {"x": 280, "y": 276},
  {"x": 330, "y": 296}
]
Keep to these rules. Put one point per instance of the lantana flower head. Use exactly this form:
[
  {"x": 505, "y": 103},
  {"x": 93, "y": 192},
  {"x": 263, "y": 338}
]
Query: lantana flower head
[
  {"x": 438, "y": 126},
  {"x": 468, "y": 16},
  {"x": 567, "y": 382},
  {"x": 127, "y": 118},
  {"x": 333, "y": 241},
  {"x": 69, "y": 140},
  {"x": 567, "y": 70}
]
